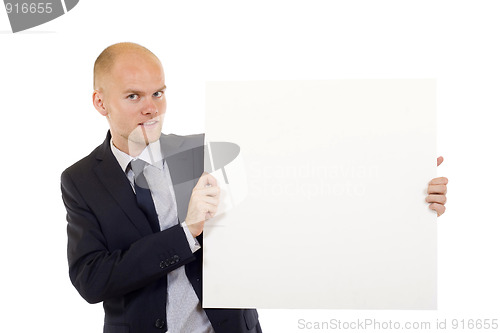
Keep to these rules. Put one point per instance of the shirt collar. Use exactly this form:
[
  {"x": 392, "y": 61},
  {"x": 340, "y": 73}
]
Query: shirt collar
[{"x": 151, "y": 154}]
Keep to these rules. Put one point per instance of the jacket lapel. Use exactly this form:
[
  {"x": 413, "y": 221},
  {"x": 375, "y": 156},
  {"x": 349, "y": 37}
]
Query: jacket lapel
[
  {"x": 185, "y": 163},
  {"x": 114, "y": 179}
]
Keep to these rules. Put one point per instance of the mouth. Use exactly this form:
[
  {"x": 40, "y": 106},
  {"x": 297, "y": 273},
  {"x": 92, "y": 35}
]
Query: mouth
[{"x": 149, "y": 123}]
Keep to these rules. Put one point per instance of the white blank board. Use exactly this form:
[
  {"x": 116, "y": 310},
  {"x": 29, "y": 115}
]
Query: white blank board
[{"x": 328, "y": 195}]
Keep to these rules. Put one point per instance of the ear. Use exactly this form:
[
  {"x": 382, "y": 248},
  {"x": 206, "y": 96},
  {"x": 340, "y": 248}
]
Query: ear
[{"x": 98, "y": 101}]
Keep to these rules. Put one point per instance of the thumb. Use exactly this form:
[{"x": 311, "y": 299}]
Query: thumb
[
  {"x": 440, "y": 160},
  {"x": 206, "y": 179}
]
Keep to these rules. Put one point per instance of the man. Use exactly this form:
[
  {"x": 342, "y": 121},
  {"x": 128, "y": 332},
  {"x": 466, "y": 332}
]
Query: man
[
  {"x": 136, "y": 208},
  {"x": 146, "y": 269}
]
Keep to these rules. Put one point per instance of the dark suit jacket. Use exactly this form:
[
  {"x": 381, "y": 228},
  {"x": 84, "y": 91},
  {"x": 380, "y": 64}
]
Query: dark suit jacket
[{"x": 114, "y": 254}]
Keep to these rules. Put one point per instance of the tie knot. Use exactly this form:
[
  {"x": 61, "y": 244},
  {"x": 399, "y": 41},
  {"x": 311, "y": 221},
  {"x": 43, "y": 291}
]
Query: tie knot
[{"x": 137, "y": 167}]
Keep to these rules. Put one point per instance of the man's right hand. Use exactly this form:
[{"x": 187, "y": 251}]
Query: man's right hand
[{"x": 203, "y": 203}]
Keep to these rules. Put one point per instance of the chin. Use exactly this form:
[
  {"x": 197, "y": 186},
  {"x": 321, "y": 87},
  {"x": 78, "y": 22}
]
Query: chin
[
  {"x": 145, "y": 135},
  {"x": 152, "y": 138}
]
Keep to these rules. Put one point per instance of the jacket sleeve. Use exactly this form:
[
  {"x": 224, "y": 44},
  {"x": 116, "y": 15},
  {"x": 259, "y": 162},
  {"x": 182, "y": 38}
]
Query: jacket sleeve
[{"x": 99, "y": 273}]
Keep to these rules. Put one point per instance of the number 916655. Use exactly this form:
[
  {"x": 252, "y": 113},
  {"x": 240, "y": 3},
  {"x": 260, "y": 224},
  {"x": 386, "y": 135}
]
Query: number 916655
[{"x": 29, "y": 8}]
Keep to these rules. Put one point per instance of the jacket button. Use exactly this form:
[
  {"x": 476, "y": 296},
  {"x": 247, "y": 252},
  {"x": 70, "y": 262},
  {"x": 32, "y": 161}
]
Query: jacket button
[
  {"x": 176, "y": 258},
  {"x": 163, "y": 264},
  {"x": 159, "y": 323}
]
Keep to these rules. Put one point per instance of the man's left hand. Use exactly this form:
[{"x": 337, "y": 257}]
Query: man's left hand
[{"x": 437, "y": 192}]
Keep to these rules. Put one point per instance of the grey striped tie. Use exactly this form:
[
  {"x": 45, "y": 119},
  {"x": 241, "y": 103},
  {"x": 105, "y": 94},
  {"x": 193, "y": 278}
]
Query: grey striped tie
[{"x": 184, "y": 313}]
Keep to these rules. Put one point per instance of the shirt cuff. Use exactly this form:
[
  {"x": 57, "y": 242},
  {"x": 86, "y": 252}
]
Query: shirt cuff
[{"x": 193, "y": 242}]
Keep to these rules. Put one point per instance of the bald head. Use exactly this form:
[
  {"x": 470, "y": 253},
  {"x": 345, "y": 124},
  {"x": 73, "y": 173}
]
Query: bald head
[
  {"x": 105, "y": 61},
  {"x": 129, "y": 90}
]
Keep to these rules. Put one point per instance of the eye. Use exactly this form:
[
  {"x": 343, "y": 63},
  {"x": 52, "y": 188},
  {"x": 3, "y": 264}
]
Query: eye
[
  {"x": 158, "y": 94},
  {"x": 133, "y": 97}
]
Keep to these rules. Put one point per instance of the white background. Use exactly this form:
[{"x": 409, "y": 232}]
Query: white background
[{"x": 49, "y": 123}]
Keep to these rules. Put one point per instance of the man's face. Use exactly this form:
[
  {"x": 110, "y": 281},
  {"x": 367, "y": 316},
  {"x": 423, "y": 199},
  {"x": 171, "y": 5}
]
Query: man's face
[{"x": 133, "y": 101}]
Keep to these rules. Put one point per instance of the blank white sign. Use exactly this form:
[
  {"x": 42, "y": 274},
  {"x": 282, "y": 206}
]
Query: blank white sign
[{"x": 324, "y": 207}]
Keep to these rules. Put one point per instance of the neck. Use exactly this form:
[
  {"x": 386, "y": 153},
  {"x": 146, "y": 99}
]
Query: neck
[{"x": 132, "y": 149}]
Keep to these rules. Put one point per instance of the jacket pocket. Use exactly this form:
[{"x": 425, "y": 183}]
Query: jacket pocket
[{"x": 116, "y": 328}]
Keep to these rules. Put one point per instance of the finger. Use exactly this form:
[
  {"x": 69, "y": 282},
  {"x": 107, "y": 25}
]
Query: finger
[
  {"x": 437, "y": 198},
  {"x": 202, "y": 181},
  {"x": 211, "y": 210},
  {"x": 440, "y": 209},
  {"x": 205, "y": 180},
  {"x": 210, "y": 200},
  {"x": 204, "y": 204},
  {"x": 211, "y": 213},
  {"x": 211, "y": 180},
  {"x": 437, "y": 189},
  {"x": 210, "y": 205},
  {"x": 212, "y": 191},
  {"x": 440, "y": 160},
  {"x": 439, "y": 181}
]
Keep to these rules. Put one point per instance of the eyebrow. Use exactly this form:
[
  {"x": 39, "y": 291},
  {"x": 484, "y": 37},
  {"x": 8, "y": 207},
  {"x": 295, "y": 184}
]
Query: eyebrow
[{"x": 139, "y": 92}]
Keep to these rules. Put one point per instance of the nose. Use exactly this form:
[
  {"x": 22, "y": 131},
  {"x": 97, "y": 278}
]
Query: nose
[{"x": 150, "y": 106}]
